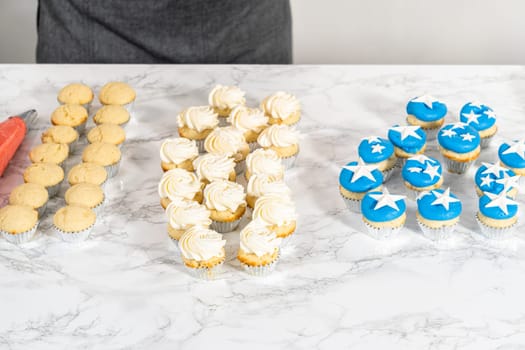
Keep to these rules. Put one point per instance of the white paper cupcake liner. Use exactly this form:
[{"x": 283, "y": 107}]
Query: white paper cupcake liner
[
  {"x": 20, "y": 238},
  {"x": 253, "y": 146},
  {"x": 239, "y": 167},
  {"x": 457, "y": 167},
  {"x": 112, "y": 170},
  {"x": 485, "y": 142},
  {"x": 73, "y": 237},
  {"x": 204, "y": 273},
  {"x": 382, "y": 233},
  {"x": 225, "y": 227},
  {"x": 289, "y": 162},
  {"x": 437, "y": 234},
  {"x": 263, "y": 270},
  {"x": 353, "y": 205},
  {"x": 496, "y": 233},
  {"x": 53, "y": 190}
]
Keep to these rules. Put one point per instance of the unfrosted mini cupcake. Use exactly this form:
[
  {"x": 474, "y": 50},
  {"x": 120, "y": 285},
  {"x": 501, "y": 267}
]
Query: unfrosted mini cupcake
[
  {"x": 85, "y": 195},
  {"x": 178, "y": 153},
  {"x": 262, "y": 184},
  {"x": 223, "y": 99},
  {"x": 196, "y": 123},
  {"x": 73, "y": 223},
  {"x": 497, "y": 215},
  {"x": 438, "y": 213},
  {"x": 61, "y": 134},
  {"x": 428, "y": 113},
  {"x": 117, "y": 93},
  {"x": 179, "y": 183},
  {"x": 258, "y": 249},
  {"x": 230, "y": 142},
  {"x": 384, "y": 214},
  {"x": 355, "y": 180},
  {"x": 408, "y": 141},
  {"x": 421, "y": 173},
  {"x": 482, "y": 118},
  {"x": 264, "y": 161},
  {"x": 278, "y": 213},
  {"x": 459, "y": 146},
  {"x": 250, "y": 121},
  {"x": 202, "y": 252},
  {"x": 512, "y": 155},
  {"x": 282, "y": 108},
  {"x": 71, "y": 115},
  {"x": 283, "y": 140},
  {"x": 48, "y": 175},
  {"x": 493, "y": 178},
  {"x": 226, "y": 201},
  {"x": 52, "y": 153},
  {"x": 214, "y": 167},
  {"x": 379, "y": 152},
  {"x": 104, "y": 154},
  {"x": 108, "y": 133},
  {"x": 112, "y": 114},
  {"x": 87, "y": 172},
  {"x": 184, "y": 214},
  {"x": 18, "y": 223},
  {"x": 31, "y": 195},
  {"x": 76, "y": 93}
]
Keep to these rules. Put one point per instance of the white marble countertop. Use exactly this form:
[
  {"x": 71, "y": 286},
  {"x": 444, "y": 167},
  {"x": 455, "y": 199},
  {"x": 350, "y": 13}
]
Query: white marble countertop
[{"x": 334, "y": 286}]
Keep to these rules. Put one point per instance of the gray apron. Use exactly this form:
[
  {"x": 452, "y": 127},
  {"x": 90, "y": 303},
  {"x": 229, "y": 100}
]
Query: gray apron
[{"x": 164, "y": 31}]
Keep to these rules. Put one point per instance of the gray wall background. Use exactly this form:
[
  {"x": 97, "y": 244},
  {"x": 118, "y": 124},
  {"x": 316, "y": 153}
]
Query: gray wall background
[{"x": 357, "y": 31}]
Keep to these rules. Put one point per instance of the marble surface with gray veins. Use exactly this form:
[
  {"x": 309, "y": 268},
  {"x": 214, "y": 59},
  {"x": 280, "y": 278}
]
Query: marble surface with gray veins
[{"x": 334, "y": 287}]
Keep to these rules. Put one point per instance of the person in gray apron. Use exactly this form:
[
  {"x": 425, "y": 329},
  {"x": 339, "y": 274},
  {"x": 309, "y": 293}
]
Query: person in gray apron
[{"x": 164, "y": 31}]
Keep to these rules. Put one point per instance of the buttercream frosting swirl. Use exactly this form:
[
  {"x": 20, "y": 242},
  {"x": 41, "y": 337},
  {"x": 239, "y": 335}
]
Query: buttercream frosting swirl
[
  {"x": 226, "y": 140},
  {"x": 183, "y": 214},
  {"x": 257, "y": 239},
  {"x": 200, "y": 243},
  {"x": 178, "y": 150},
  {"x": 178, "y": 183},
  {"x": 281, "y": 105},
  {"x": 274, "y": 209},
  {"x": 262, "y": 184},
  {"x": 226, "y": 97},
  {"x": 279, "y": 136},
  {"x": 224, "y": 195},
  {"x": 265, "y": 161},
  {"x": 199, "y": 118},
  {"x": 213, "y": 167},
  {"x": 248, "y": 119}
]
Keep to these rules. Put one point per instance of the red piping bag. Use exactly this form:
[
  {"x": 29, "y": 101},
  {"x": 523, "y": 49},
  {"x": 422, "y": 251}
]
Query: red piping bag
[{"x": 12, "y": 133}]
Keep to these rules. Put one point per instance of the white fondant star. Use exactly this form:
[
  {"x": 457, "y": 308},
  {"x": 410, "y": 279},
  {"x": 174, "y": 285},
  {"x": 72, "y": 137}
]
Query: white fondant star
[
  {"x": 471, "y": 117},
  {"x": 448, "y": 132},
  {"x": 486, "y": 181},
  {"x": 467, "y": 137},
  {"x": 518, "y": 147},
  {"x": 386, "y": 199},
  {"x": 458, "y": 125},
  {"x": 500, "y": 201},
  {"x": 492, "y": 168},
  {"x": 476, "y": 104},
  {"x": 509, "y": 182},
  {"x": 407, "y": 131},
  {"x": 490, "y": 114},
  {"x": 371, "y": 139},
  {"x": 432, "y": 171},
  {"x": 360, "y": 170},
  {"x": 415, "y": 170},
  {"x": 377, "y": 148},
  {"x": 421, "y": 158},
  {"x": 444, "y": 198},
  {"x": 426, "y": 99}
]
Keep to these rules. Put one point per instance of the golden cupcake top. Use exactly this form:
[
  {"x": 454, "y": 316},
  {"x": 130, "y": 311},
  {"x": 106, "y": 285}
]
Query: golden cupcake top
[
  {"x": 29, "y": 194},
  {"x": 45, "y": 174},
  {"x": 87, "y": 172},
  {"x": 75, "y": 93},
  {"x": 60, "y": 134},
  {"x": 74, "y": 218},
  {"x": 69, "y": 115},
  {"x": 116, "y": 93},
  {"x": 17, "y": 218},
  {"x": 84, "y": 195},
  {"x": 101, "y": 153},
  {"x": 54, "y": 153},
  {"x": 110, "y": 133},
  {"x": 111, "y": 114}
]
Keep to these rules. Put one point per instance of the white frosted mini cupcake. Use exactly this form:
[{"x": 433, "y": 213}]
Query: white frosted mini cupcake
[
  {"x": 179, "y": 183},
  {"x": 196, "y": 123},
  {"x": 283, "y": 140},
  {"x": 184, "y": 214},
  {"x": 226, "y": 201},
  {"x": 250, "y": 121},
  {"x": 258, "y": 249},
  {"x": 264, "y": 161},
  {"x": 214, "y": 167},
  {"x": 277, "y": 212},
  {"x": 223, "y": 99},
  {"x": 230, "y": 142},
  {"x": 262, "y": 184},
  {"x": 282, "y": 108},
  {"x": 178, "y": 153}
]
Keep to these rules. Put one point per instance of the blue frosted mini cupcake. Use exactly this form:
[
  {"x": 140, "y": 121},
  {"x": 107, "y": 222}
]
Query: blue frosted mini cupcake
[
  {"x": 497, "y": 215},
  {"x": 512, "y": 156},
  {"x": 428, "y": 113},
  {"x": 421, "y": 173},
  {"x": 384, "y": 214},
  {"x": 493, "y": 178},
  {"x": 408, "y": 141},
  {"x": 379, "y": 152},
  {"x": 482, "y": 118},
  {"x": 459, "y": 145},
  {"x": 438, "y": 213},
  {"x": 355, "y": 180}
]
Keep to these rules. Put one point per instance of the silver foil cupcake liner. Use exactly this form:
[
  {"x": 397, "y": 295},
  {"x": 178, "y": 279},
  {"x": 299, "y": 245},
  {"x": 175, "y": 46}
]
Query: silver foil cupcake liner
[
  {"x": 53, "y": 190},
  {"x": 289, "y": 162},
  {"x": 387, "y": 173},
  {"x": 437, "y": 234},
  {"x": 74, "y": 147},
  {"x": 130, "y": 107},
  {"x": 42, "y": 210},
  {"x": 200, "y": 146},
  {"x": 253, "y": 146},
  {"x": 353, "y": 205},
  {"x": 225, "y": 227},
  {"x": 261, "y": 271},
  {"x": 112, "y": 170},
  {"x": 240, "y": 166},
  {"x": 431, "y": 133},
  {"x": 456, "y": 167},
  {"x": 401, "y": 162},
  {"x": 81, "y": 129},
  {"x": 412, "y": 194},
  {"x": 73, "y": 237},
  {"x": 223, "y": 121},
  {"x": 382, "y": 233},
  {"x": 205, "y": 273},
  {"x": 97, "y": 209},
  {"x": 20, "y": 238},
  {"x": 496, "y": 233},
  {"x": 485, "y": 142}
]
